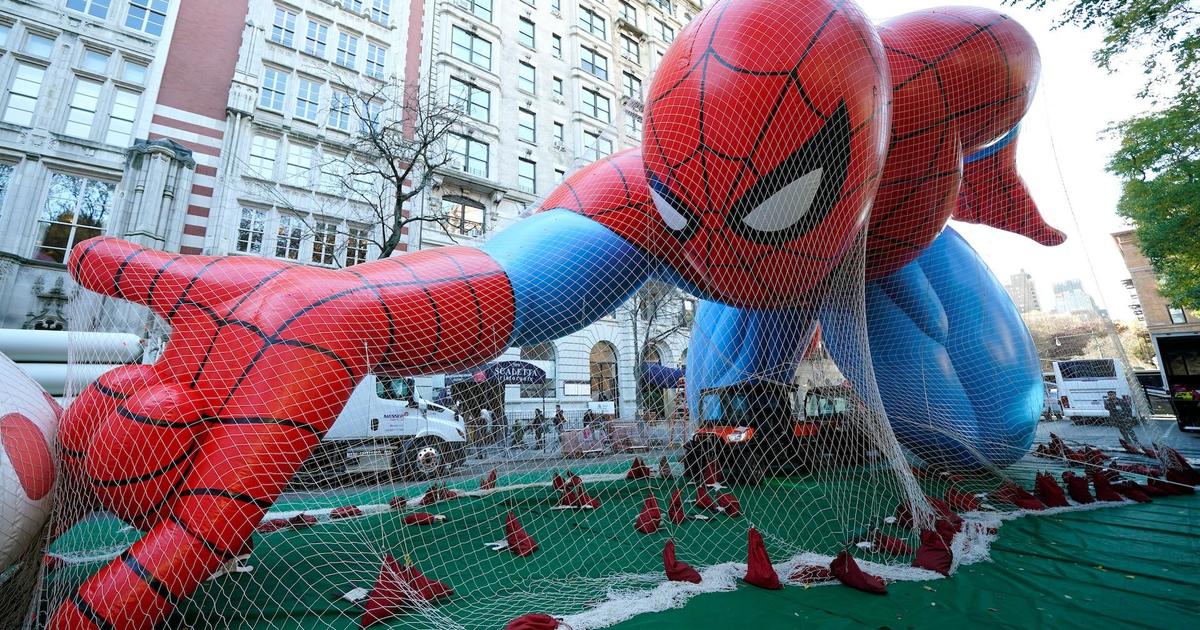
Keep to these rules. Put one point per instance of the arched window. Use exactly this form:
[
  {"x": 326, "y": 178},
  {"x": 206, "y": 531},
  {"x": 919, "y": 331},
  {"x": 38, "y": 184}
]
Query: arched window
[{"x": 602, "y": 365}]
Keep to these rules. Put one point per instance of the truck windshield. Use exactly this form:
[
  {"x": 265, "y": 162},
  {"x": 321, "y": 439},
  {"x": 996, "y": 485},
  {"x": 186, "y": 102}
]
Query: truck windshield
[
  {"x": 744, "y": 406},
  {"x": 1089, "y": 369}
]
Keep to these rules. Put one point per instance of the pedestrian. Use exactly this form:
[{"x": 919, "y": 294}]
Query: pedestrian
[
  {"x": 539, "y": 430},
  {"x": 518, "y": 433},
  {"x": 1120, "y": 413},
  {"x": 489, "y": 428},
  {"x": 560, "y": 420}
]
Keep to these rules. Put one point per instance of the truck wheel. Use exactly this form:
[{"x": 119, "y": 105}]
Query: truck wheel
[
  {"x": 696, "y": 456},
  {"x": 741, "y": 466},
  {"x": 424, "y": 459}
]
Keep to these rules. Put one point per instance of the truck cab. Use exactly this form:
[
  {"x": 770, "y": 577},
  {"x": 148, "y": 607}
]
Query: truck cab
[{"x": 387, "y": 427}]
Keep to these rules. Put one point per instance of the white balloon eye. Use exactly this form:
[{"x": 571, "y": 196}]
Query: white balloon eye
[
  {"x": 669, "y": 214},
  {"x": 785, "y": 208}
]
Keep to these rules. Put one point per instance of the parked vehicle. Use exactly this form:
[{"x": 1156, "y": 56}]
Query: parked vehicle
[
  {"x": 1083, "y": 385},
  {"x": 387, "y": 428},
  {"x": 1052, "y": 407},
  {"x": 1179, "y": 355}
]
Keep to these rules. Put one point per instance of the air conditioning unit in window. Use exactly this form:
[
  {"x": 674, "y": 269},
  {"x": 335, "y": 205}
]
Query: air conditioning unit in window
[
  {"x": 630, "y": 56},
  {"x": 559, "y": 99},
  {"x": 559, "y": 146}
]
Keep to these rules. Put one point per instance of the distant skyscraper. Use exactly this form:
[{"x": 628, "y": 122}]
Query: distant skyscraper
[
  {"x": 1069, "y": 298},
  {"x": 1023, "y": 292}
]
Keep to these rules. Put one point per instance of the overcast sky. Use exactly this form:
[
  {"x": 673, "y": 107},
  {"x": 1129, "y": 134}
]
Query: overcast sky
[{"x": 1062, "y": 155}]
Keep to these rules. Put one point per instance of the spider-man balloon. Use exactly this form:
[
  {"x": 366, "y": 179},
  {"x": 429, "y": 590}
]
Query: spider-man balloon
[{"x": 778, "y": 133}]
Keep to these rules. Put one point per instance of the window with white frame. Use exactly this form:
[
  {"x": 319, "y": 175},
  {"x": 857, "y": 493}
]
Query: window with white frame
[
  {"x": 251, "y": 228},
  {"x": 473, "y": 100},
  {"x": 527, "y": 33},
  {"x": 560, "y": 133},
  {"x": 347, "y": 50},
  {"x": 558, "y": 86},
  {"x": 333, "y": 173},
  {"x": 471, "y": 48},
  {"x": 5, "y": 33},
  {"x": 527, "y": 78},
  {"x": 1178, "y": 316},
  {"x": 289, "y": 235},
  {"x": 95, "y": 61},
  {"x": 663, "y": 5},
  {"x": 556, "y": 45},
  {"x": 596, "y": 105},
  {"x": 633, "y": 51},
  {"x": 23, "y": 94},
  {"x": 94, "y": 8},
  {"x": 665, "y": 31},
  {"x": 324, "y": 245},
  {"x": 526, "y": 126},
  {"x": 308, "y": 99},
  {"x": 298, "y": 171},
  {"x": 121, "y": 117},
  {"x": 375, "y": 60},
  {"x": 315, "y": 38},
  {"x": 381, "y": 11},
  {"x": 633, "y": 125},
  {"x": 481, "y": 9},
  {"x": 283, "y": 28},
  {"x": 6, "y": 171},
  {"x": 629, "y": 12},
  {"x": 81, "y": 113},
  {"x": 261, "y": 163},
  {"x": 38, "y": 45},
  {"x": 469, "y": 155},
  {"x": 274, "y": 89},
  {"x": 596, "y": 146},
  {"x": 632, "y": 85},
  {"x": 592, "y": 22},
  {"x": 133, "y": 72},
  {"x": 593, "y": 62},
  {"x": 370, "y": 117},
  {"x": 357, "y": 243},
  {"x": 148, "y": 16},
  {"x": 527, "y": 176},
  {"x": 339, "y": 110},
  {"x": 353, "y": 6},
  {"x": 76, "y": 209},
  {"x": 464, "y": 215}
]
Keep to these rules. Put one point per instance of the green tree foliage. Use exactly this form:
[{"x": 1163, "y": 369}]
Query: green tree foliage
[{"x": 1159, "y": 158}]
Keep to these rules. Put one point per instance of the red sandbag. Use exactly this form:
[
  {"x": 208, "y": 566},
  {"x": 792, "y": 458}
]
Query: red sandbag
[
  {"x": 811, "y": 574},
  {"x": 712, "y": 474},
  {"x": 1171, "y": 488},
  {"x": 703, "y": 500},
  {"x": 962, "y": 501},
  {"x": 1049, "y": 492},
  {"x": 576, "y": 497},
  {"x": 533, "y": 621},
  {"x": 420, "y": 518},
  {"x": 759, "y": 571},
  {"x": 1012, "y": 494},
  {"x": 1129, "y": 448},
  {"x": 846, "y": 570},
  {"x": 398, "y": 502},
  {"x": 1153, "y": 491},
  {"x": 904, "y": 516},
  {"x": 399, "y": 587},
  {"x": 1132, "y": 492},
  {"x": 675, "y": 507},
  {"x": 934, "y": 553},
  {"x": 650, "y": 515},
  {"x": 426, "y": 589},
  {"x": 558, "y": 484},
  {"x": 1077, "y": 488},
  {"x": 946, "y": 529},
  {"x": 637, "y": 470},
  {"x": 1104, "y": 489},
  {"x": 519, "y": 542},
  {"x": 489, "y": 483},
  {"x": 890, "y": 545},
  {"x": 729, "y": 503},
  {"x": 272, "y": 525},
  {"x": 678, "y": 571},
  {"x": 1178, "y": 464},
  {"x": 664, "y": 469},
  {"x": 346, "y": 511},
  {"x": 302, "y": 520}
]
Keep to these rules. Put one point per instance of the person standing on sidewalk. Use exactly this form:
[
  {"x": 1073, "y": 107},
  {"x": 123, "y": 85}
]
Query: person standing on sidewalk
[
  {"x": 539, "y": 430},
  {"x": 1120, "y": 412}
]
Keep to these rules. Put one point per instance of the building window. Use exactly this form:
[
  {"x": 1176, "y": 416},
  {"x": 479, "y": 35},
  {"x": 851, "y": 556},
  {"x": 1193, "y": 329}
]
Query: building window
[
  {"x": 94, "y": 61},
  {"x": 333, "y": 170},
  {"x": 596, "y": 106},
  {"x": 23, "y": 94},
  {"x": 308, "y": 97},
  {"x": 527, "y": 33},
  {"x": 471, "y": 48},
  {"x": 250, "y": 231},
  {"x": 38, "y": 45},
  {"x": 556, "y": 45},
  {"x": 559, "y": 175},
  {"x": 526, "y": 126},
  {"x": 560, "y": 133},
  {"x": 299, "y": 165},
  {"x": 353, "y": 6},
  {"x": 120, "y": 121},
  {"x": 629, "y": 12},
  {"x": 558, "y": 87},
  {"x": 633, "y": 51},
  {"x": 474, "y": 101},
  {"x": 368, "y": 122},
  {"x": 593, "y": 62},
  {"x": 76, "y": 209},
  {"x": 595, "y": 146},
  {"x": 288, "y": 237},
  {"x": 664, "y": 6},
  {"x": 347, "y": 50},
  {"x": 339, "y": 110},
  {"x": 664, "y": 31},
  {"x": 464, "y": 216},
  {"x": 375, "y": 60},
  {"x": 1178, "y": 316},
  {"x": 262, "y": 157},
  {"x": 469, "y": 155},
  {"x": 147, "y": 16},
  {"x": 324, "y": 248},
  {"x": 82, "y": 112},
  {"x": 633, "y": 125},
  {"x": 591, "y": 22},
  {"x": 527, "y": 176},
  {"x": 315, "y": 38},
  {"x": 6, "y": 171},
  {"x": 633, "y": 86},
  {"x": 94, "y": 8},
  {"x": 283, "y": 29},
  {"x": 356, "y": 246},
  {"x": 381, "y": 11},
  {"x": 527, "y": 78},
  {"x": 481, "y": 9},
  {"x": 274, "y": 89},
  {"x": 133, "y": 72}
]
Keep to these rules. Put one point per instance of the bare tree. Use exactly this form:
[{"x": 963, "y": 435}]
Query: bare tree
[{"x": 654, "y": 313}]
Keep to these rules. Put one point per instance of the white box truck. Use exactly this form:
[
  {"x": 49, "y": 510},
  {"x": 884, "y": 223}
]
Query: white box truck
[
  {"x": 1083, "y": 385},
  {"x": 387, "y": 428}
]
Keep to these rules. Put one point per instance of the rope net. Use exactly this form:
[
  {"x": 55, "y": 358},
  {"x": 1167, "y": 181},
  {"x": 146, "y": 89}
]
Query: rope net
[{"x": 310, "y": 447}]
